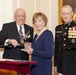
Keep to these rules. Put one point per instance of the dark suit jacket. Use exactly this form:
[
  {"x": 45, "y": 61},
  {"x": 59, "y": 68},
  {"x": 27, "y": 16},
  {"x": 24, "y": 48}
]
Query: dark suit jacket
[{"x": 9, "y": 31}]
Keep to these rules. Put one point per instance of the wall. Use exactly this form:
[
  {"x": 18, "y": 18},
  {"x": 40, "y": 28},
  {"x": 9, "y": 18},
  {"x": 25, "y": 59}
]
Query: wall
[{"x": 49, "y": 7}]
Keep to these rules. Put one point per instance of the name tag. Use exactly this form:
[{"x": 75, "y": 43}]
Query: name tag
[{"x": 58, "y": 31}]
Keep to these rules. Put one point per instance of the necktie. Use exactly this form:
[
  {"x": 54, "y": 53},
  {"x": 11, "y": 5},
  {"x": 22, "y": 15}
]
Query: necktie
[{"x": 21, "y": 34}]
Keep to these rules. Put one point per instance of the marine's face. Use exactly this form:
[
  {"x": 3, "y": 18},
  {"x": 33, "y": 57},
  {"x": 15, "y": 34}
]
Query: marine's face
[
  {"x": 67, "y": 15},
  {"x": 20, "y": 17}
]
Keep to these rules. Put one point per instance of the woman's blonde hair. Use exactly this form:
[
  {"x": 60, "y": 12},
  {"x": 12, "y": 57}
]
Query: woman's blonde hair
[{"x": 40, "y": 14}]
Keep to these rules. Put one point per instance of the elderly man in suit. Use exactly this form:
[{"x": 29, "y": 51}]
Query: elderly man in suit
[{"x": 10, "y": 34}]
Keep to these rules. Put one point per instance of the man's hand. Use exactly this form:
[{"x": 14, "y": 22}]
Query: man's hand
[{"x": 13, "y": 42}]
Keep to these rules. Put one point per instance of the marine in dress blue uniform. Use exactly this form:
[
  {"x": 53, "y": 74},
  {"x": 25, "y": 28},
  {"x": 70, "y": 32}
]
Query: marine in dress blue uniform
[{"x": 65, "y": 48}]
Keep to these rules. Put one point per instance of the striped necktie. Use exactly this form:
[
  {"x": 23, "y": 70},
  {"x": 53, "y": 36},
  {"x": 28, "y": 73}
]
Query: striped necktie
[{"x": 21, "y": 34}]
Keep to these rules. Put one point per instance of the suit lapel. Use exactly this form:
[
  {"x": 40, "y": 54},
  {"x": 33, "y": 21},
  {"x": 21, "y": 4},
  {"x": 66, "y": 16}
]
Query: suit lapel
[
  {"x": 25, "y": 28},
  {"x": 15, "y": 30}
]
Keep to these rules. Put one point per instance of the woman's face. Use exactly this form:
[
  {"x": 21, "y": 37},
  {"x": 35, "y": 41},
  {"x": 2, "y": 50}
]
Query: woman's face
[{"x": 39, "y": 23}]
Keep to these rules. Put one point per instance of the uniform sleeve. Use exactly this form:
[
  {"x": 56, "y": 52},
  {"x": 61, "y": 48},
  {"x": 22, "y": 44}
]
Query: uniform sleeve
[{"x": 56, "y": 50}]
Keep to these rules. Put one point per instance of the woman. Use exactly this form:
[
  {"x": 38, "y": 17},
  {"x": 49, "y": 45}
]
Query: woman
[{"x": 42, "y": 47}]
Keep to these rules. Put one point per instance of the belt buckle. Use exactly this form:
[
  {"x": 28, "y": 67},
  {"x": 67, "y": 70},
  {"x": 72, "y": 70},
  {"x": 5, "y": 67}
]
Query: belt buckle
[{"x": 64, "y": 49}]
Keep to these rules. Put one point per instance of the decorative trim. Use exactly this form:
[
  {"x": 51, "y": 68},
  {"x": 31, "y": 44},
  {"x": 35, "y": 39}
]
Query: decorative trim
[{"x": 60, "y": 4}]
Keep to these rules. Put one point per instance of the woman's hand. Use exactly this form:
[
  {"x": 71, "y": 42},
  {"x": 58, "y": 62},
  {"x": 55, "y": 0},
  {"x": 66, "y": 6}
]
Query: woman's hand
[{"x": 28, "y": 48}]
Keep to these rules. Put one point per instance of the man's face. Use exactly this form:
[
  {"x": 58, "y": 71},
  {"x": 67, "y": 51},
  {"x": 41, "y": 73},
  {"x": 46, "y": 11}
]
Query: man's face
[
  {"x": 20, "y": 17},
  {"x": 67, "y": 15}
]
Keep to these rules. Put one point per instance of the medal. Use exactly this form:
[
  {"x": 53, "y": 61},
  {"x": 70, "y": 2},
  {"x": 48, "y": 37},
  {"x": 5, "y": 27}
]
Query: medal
[{"x": 73, "y": 40}]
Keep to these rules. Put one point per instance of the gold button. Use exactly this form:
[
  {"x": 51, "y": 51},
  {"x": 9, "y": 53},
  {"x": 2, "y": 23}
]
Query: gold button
[
  {"x": 63, "y": 44},
  {"x": 65, "y": 27},
  {"x": 64, "y": 38},
  {"x": 65, "y": 33},
  {"x": 75, "y": 56}
]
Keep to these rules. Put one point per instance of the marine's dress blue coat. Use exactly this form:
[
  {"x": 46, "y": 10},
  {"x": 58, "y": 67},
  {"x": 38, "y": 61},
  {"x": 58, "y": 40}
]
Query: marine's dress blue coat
[{"x": 42, "y": 53}]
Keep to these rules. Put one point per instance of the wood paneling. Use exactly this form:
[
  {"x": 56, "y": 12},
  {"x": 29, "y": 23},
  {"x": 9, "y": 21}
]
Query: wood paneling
[
  {"x": 60, "y": 4},
  {"x": 7, "y": 72}
]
